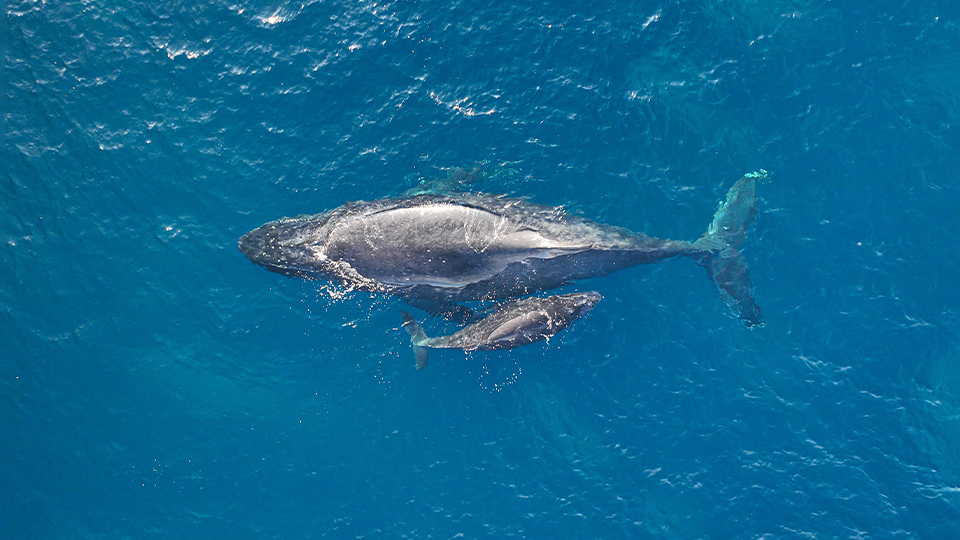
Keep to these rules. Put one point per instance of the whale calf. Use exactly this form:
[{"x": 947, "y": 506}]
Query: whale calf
[
  {"x": 511, "y": 325},
  {"x": 436, "y": 251}
]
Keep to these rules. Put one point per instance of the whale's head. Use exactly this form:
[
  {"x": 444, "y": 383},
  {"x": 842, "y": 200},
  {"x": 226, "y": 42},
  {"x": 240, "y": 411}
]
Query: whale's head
[
  {"x": 288, "y": 246},
  {"x": 575, "y": 305}
]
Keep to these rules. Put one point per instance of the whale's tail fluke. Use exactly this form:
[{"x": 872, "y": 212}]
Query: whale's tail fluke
[
  {"x": 417, "y": 338},
  {"x": 719, "y": 247}
]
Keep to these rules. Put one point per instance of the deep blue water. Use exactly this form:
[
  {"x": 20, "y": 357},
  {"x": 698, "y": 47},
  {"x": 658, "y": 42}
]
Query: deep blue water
[{"x": 155, "y": 384}]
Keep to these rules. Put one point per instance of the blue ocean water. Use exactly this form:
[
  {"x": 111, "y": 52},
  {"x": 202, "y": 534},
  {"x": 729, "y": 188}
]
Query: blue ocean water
[{"x": 155, "y": 384}]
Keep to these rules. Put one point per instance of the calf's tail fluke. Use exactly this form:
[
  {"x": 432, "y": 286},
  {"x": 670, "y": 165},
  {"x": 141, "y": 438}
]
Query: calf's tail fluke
[
  {"x": 719, "y": 247},
  {"x": 417, "y": 337}
]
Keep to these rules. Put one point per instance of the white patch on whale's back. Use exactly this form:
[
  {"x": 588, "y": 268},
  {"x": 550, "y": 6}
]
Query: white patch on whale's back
[{"x": 441, "y": 245}]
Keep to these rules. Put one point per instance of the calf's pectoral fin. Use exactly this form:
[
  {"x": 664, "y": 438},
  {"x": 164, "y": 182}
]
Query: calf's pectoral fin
[{"x": 417, "y": 338}]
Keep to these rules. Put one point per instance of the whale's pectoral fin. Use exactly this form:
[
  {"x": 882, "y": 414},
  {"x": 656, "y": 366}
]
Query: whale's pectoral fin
[
  {"x": 448, "y": 310},
  {"x": 417, "y": 337},
  {"x": 720, "y": 247},
  {"x": 458, "y": 179}
]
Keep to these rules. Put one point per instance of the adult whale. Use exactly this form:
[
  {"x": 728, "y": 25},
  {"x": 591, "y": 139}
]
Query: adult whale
[
  {"x": 511, "y": 325},
  {"x": 438, "y": 250}
]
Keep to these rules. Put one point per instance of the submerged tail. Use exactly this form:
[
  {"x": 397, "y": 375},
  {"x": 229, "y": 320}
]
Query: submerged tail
[
  {"x": 417, "y": 337},
  {"x": 720, "y": 247}
]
